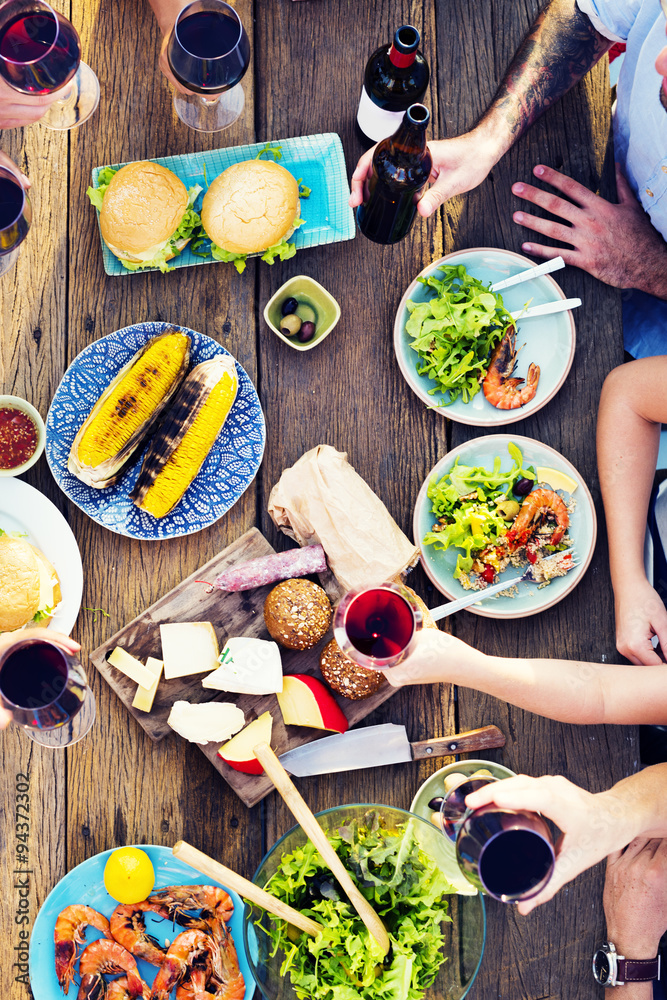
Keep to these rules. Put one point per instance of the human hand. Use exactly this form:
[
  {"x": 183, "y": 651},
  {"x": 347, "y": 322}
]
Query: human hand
[
  {"x": 8, "y": 639},
  {"x": 166, "y": 68},
  {"x": 635, "y": 897},
  {"x": 615, "y": 243},
  {"x": 458, "y": 165},
  {"x": 437, "y": 657},
  {"x": 5, "y": 161},
  {"x": 589, "y": 823},
  {"x": 640, "y": 615},
  {"x": 18, "y": 109}
]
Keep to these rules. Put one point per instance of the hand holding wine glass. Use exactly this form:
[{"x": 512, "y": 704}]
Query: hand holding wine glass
[
  {"x": 15, "y": 212},
  {"x": 8, "y": 639},
  {"x": 18, "y": 110}
]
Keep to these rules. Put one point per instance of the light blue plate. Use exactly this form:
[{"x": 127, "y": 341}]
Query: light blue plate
[
  {"x": 229, "y": 469},
  {"x": 85, "y": 884},
  {"x": 440, "y": 566},
  {"x": 317, "y": 160},
  {"x": 549, "y": 340}
]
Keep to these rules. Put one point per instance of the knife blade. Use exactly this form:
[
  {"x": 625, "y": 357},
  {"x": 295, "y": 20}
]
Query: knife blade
[{"x": 374, "y": 746}]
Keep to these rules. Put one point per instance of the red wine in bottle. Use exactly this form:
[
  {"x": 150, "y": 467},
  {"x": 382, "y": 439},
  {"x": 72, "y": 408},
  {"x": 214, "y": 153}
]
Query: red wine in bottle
[
  {"x": 401, "y": 168},
  {"x": 396, "y": 76}
]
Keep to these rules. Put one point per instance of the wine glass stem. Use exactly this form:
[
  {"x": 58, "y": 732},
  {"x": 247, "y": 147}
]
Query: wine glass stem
[
  {"x": 209, "y": 102},
  {"x": 67, "y": 93}
]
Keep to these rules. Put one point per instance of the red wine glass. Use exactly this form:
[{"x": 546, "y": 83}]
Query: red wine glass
[
  {"x": 40, "y": 54},
  {"x": 209, "y": 53},
  {"x": 377, "y": 627},
  {"x": 507, "y": 854},
  {"x": 45, "y": 689},
  {"x": 15, "y": 215}
]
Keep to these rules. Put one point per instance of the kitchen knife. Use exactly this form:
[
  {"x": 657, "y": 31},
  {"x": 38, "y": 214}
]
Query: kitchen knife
[{"x": 374, "y": 746}]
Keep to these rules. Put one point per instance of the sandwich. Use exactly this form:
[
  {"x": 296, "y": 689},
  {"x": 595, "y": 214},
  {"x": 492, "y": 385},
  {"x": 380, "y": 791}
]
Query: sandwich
[
  {"x": 250, "y": 208},
  {"x": 146, "y": 213},
  {"x": 29, "y": 585}
]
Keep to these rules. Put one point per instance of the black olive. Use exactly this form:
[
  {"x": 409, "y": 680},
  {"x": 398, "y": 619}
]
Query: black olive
[
  {"x": 323, "y": 886},
  {"x": 307, "y": 332},
  {"x": 289, "y": 306},
  {"x": 523, "y": 487},
  {"x": 436, "y": 802}
]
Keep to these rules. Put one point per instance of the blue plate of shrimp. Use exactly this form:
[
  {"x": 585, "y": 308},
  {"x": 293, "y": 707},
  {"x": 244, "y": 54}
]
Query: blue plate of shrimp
[
  {"x": 529, "y": 598},
  {"x": 546, "y": 341},
  {"x": 84, "y": 885}
]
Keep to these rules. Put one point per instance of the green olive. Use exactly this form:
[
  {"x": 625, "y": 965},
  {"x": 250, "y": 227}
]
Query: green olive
[
  {"x": 289, "y": 325},
  {"x": 508, "y": 509}
]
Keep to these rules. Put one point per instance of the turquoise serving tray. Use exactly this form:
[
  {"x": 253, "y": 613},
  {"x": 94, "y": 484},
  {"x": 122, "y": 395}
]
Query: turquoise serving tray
[{"x": 317, "y": 160}]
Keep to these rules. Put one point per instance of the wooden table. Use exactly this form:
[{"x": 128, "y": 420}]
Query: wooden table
[{"x": 116, "y": 787}]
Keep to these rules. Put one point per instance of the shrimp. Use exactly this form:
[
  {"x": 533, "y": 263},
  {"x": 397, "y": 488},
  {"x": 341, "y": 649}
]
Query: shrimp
[
  {"x": 229, "y": 982},
  {"x": 183, "y": 951},
  {"x": 538, "y": 506},
  {"x": 69, "y": 932},
  {"x": 501, "y": 390},
  {"x": 193, "y": 987},
  {"x": 210, "y": 899},
  {"x": 107, "y": 956},
  {"x": 128, "y": 927},
  {"x": 117, "y": 989}
]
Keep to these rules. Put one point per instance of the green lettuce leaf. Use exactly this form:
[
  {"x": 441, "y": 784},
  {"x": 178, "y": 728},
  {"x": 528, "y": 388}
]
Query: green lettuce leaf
[
  {"x": 238, "y": 259},
  {"x": 96, "y": 195}
]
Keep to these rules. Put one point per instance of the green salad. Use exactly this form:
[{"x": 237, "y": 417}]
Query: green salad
[
  {"x": 468, "y": 501},
  {"x": 404, "y": 886},
  {"x": 455, "y": 332}
]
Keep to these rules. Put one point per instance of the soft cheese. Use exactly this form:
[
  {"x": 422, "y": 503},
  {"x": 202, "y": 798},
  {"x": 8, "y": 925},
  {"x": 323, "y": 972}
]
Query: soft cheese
[
  {"x": 212, "y": 722},
  {"x": 188, "y": 648},
  {"x": 248, "y": 666}
]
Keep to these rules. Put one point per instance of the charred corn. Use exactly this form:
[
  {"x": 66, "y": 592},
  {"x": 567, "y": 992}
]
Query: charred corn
[
  {"x": 129, "y": 408},
  {"x": 177, "y": 452}
]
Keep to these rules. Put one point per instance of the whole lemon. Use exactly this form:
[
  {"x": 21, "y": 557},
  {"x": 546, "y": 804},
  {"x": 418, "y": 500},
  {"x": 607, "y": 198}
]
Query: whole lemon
[{"x": 129, "y": 875}]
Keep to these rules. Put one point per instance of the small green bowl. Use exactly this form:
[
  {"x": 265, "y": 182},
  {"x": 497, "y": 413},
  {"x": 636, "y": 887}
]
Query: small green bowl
[
  {"x": 17, "y": 403},
  {"x": 305, "y": 290}
]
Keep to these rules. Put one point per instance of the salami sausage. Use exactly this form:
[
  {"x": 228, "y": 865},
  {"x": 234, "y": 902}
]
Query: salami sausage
[{"x": 270, "y": 569}]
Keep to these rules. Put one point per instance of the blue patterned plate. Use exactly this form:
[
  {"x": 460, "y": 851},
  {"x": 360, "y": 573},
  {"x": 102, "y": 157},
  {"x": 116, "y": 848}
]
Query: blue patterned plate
[
  {"x": 85, "y": 884},
  {"x": 226, "y": 474},
  {"x": 317, "y": 159}
]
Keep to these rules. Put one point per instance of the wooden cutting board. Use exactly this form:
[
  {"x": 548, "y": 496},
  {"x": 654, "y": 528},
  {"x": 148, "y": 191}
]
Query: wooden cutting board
[{"x": 231, "y": 615}]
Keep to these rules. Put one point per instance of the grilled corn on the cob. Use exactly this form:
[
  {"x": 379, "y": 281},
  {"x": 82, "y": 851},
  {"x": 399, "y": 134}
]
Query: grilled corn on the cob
[
  {"x": 129, "y": 408},
  {"x": 178, "y": 451}
]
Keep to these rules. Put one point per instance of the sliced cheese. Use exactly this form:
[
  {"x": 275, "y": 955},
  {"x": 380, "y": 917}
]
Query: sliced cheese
[
  {"x": 248, "y": 666},
  {"x": 143, "y": 699},
  {"x": 212, "y": 722},
  {"x": 188, "y": 648},
  {"x": 131, "y": 667}
]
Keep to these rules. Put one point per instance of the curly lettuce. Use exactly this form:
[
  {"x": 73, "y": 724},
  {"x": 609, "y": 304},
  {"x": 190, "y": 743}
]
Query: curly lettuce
[{"x": 279, "y": 251}]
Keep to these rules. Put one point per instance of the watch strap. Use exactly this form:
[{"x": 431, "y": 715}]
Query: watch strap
[{"x": 638, "y": 970}]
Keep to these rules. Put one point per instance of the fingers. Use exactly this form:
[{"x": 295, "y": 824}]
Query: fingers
[
  {"x": 432, "y": 199},
  {"x": 623, "y": 189},
  {"x": 6, "y": 162},
  {"x": 548, "y": 201},
  {"x": 572, "y": 189},
  {"x": 361, "y": 173},
  {"x": 539, "y": 250},
  {"x": 5, "y": 717},
  {"x": 554, "y": 230}
]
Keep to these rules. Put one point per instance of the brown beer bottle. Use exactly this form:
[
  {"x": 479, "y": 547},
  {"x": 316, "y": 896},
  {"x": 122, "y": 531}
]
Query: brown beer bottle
[{"x": 401, "y": 168}]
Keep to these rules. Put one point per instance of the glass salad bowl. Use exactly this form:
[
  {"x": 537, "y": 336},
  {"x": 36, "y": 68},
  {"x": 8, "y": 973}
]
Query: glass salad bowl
[{"x": 411, "y": 839}]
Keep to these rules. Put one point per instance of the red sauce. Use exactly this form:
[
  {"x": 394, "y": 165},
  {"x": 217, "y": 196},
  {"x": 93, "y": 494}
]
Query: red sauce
[{"x": 18, "y": 437}]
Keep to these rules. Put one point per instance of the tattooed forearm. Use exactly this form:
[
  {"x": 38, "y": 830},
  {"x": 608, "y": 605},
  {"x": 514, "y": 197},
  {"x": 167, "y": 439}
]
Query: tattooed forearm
[{"x": 559, "y": 50}]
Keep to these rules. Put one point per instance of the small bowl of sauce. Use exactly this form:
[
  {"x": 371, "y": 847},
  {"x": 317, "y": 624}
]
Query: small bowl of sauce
[{"x": 22, "y": 435}]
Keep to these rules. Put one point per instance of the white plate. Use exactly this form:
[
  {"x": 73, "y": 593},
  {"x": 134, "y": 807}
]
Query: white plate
[
  {"x": 25, "y": 509},
  {"x": 440, "y": 566},
  {"x": 549, "y": 340}
]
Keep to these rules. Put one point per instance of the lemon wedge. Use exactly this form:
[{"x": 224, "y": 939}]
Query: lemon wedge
[
  {"x": 128, "y": 875},
  {"x": 556, "y": 480}
]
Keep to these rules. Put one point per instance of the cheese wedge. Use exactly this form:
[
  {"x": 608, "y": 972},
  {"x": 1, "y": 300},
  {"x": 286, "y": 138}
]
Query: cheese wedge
[
  {"x": 188, "y": 648},
  {"x": 212, "y": 722},
  {"x": 248, "y": 666},
  {"x": 131, "y": 667},
  {"x": 143, "y": 699}
]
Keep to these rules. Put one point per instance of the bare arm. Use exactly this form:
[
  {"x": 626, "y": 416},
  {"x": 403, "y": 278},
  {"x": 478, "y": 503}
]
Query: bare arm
[
  {"x": 166, "y": 11},
  {"x": 633, "y": 404}
]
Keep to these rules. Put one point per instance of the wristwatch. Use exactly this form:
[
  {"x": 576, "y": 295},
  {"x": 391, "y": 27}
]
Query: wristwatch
[{"x": 612, "y": 969}]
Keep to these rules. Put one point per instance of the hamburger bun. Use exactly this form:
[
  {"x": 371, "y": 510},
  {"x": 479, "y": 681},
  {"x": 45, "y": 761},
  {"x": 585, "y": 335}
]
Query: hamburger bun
[
  {"x": 251, "y": 206},
  {"x": 142, "y": 207},
  {"x": 28, "y": 584}
]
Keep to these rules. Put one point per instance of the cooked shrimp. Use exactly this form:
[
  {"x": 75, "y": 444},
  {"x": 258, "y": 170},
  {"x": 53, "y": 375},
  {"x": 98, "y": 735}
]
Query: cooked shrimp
[
  {"x": 69, "y": 932},
  {"x": 501, "y": 390},
  {"x": 109, "y": 956},
  {"x": 128, "y": 927},
  {"x": 92, "y": 987},
  {"x": 193, "y": 987},
  {"x": 539, "y": 506},
  {"x": 229, "y": 982},
  {"x": 117, "y": 989},
  {"x": 183, "y": 951},
  {"x": 211, "y": 899}
]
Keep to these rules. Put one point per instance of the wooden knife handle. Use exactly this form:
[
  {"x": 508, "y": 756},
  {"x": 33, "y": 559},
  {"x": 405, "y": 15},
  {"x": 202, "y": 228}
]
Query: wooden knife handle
[{"x": 486, "y": 738}]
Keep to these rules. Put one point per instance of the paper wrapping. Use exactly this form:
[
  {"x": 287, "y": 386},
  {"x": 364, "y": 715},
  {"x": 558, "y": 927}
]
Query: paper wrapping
[{"x": 322, "y": 499}]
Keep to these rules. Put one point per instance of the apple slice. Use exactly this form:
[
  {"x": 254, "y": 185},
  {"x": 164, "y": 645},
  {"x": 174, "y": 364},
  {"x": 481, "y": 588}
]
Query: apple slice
[
  {"x": 304, "y": 701},
  {"x": 238, "y": 752}
]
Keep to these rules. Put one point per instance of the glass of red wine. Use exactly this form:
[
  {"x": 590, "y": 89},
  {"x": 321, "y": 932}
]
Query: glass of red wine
[
  {"x": 377, "y": 627},
  {"x": 40, "y": 54},
  {"x": 209, "y": 52},
  {"x": 15, "y": 215},
  {"x": 508, "y": 855},
  {"x": 45, "y": 689}
]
